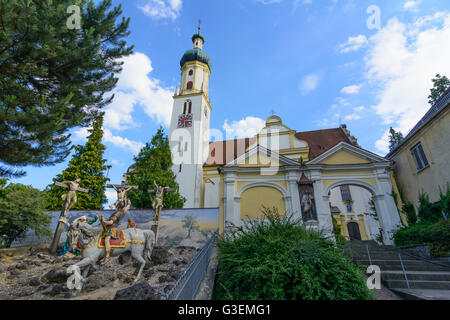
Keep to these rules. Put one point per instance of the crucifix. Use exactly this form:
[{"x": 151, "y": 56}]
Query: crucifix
[
  {"x": 158, "y": 205},
  {"x": 70, "y": 198},
  {"x": 122, "y": 202}
]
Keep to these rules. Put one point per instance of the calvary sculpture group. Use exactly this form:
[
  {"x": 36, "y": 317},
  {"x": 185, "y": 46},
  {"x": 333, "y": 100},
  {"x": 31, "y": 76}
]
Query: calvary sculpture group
[{"x": 111, "y": 241}]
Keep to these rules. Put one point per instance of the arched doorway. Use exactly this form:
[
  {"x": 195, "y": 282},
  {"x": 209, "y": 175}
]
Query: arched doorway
[
  {"x": 353, "y": 210},
  {"x": 353, "y": 231}
]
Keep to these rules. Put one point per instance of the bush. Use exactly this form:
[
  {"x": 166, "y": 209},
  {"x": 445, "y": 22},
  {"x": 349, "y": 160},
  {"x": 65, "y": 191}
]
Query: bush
[
  {"x": 22, "y": 207},
  {"x": 423, "y": 233},
  {"x": 278, "y": 259},
  {"x": 428, "y": 211},
  {"x": 410, "y": 211},
  {"x": 445, "y": 201}
]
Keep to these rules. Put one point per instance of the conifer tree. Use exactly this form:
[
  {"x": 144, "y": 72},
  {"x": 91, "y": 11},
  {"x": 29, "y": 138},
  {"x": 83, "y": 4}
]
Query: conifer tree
[
  {"x": 153, "y": 163},
  {"x": 54, "y": 75},
  {"x": 440, "y": 85},
  {"x": 87, "y": 164},
  {"x": 394, "y": 138}
]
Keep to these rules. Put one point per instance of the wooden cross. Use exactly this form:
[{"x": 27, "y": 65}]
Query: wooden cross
[
  {"x": 69, "y": 201},
  {"x": 122, "y": 190},
  {"x": 158, "y": 205},
  {"x": 65, "y": 186}
]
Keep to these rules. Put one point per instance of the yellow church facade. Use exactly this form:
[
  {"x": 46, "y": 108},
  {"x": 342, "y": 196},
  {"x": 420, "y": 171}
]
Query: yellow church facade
[
  {"x": 296, "y": 172},
  {"x": 278, "y": 166}
]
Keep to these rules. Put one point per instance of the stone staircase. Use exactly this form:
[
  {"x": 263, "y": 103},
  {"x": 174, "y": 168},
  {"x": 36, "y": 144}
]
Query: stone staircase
[{"x": 426, "y": 280}]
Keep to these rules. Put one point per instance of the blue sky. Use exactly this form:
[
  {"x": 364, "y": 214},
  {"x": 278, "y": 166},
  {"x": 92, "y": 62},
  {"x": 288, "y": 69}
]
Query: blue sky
[{"x": 315, "y": 63}]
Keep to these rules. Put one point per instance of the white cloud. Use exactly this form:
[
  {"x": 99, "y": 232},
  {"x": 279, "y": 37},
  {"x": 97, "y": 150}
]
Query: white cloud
[
  {"x": 402, "y": 59},
  {"x": 411, "y": 5},
  {"x": 135, "y": 86},
  {"x": 352, "y": 117},
  {"x": 359, "y": 109},
  {"x": 121, "y": 142},
  {"x": 351, "y": 89},
  {"x": 162, "y": 9},
  {"x": 245, "y": 128},
  {"x": 268, "y": 1},
  {"x": 353, "y": 44},
  {"x": 310, "y": 82}
]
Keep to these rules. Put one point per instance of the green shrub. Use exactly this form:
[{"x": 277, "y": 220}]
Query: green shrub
[
  {"x": 445, "y": 201},
  {"x": 422, "y": 233},
  {"x": 428, "y": 211},
  {"x": 340, "y": 239},
  {"x": 410, "y": 211},
  {"x": 278, "y": 259}
]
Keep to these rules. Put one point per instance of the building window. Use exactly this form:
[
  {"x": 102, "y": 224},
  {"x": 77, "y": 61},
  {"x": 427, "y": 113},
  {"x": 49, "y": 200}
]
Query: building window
[
  {"x": 185, "y": 146},
  {"x": 345, "y": 193},
  {"x": 184, "y": 109},
  {"x": 419, "y": 157},
  {"x": 181, "y": 166},
  {"x": 191, "y": 72},
  {"x": 190, "y": 107},
  {"x": 189, "y": 85}
]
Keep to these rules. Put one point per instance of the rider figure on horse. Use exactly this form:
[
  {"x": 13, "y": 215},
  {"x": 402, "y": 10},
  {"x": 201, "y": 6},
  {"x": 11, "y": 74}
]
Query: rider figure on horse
[{"x": 111, "y": 227}]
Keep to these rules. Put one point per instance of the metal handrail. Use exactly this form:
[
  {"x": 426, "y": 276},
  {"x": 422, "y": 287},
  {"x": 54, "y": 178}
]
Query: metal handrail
[
  {"x": 414, "y": 256},
  {"x": 368, "y": 254},
  {"x": 403, "y": 269},
  {"x": 182, "y": 281}
]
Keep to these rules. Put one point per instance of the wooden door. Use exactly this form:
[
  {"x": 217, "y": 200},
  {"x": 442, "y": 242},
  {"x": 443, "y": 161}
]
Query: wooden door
[{"x": 353, "y": 231}]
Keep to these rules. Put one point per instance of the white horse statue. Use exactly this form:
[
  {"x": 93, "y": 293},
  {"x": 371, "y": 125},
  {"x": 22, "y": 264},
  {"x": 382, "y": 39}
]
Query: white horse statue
[{"x": 139, "y": 242}]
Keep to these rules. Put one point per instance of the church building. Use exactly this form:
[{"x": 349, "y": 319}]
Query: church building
[{"x": 320, "y": 177}]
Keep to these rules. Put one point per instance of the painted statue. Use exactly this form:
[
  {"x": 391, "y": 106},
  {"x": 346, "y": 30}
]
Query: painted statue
[
  {"x": 158, "y": 204},
  {"x": 139, "y": 242},
  {"x": 111, "y": 229},
  {"x": 72, "y": 245},
  {"x": 308, "y": 207}
]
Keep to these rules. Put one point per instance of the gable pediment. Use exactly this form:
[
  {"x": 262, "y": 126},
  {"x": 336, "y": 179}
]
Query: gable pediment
[
  {"x": 346, "y": 154},
  {"x": 259, "y": 156}
]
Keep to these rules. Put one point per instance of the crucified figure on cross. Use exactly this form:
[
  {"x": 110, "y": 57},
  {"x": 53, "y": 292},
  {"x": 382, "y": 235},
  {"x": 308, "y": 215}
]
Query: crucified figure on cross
[
  {"x": 110, "y": 227},
  {"x": 70, "y": 199},
  {"x": 158, "y": 204}
]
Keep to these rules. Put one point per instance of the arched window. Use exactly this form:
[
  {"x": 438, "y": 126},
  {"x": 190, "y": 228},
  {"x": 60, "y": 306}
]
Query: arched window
[
  {"x": 184, "y": 109},
  {"x": 190, "y": 107},
  {"x": 189, "y": 85},
  {"x": 191, "y": 72}
]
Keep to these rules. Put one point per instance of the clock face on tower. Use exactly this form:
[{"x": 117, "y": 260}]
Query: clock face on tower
[{"x": 185, "y": 120}]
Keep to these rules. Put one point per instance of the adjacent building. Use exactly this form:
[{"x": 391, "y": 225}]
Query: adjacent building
[{"x": 421, "y": 161}]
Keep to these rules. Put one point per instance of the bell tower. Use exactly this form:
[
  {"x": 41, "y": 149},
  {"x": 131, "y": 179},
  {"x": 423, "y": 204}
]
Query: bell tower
[{"x": 189, "y": 126}]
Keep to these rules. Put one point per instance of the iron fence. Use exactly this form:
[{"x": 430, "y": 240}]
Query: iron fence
[{"x": 187, "y": 285}]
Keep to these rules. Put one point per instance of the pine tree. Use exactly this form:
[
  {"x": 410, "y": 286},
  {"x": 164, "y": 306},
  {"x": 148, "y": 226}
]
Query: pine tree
[
  {"x": 440, "y": 85},
  {"x": 394, "y": 138},
  {"x": 52, "y": 77},
  {"x": 153, "y": 163},
  {"x": 87, "y": 164}
]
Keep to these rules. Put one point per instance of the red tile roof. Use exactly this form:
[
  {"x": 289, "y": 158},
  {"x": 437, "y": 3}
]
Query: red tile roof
[{"x": 319, "y": 141}]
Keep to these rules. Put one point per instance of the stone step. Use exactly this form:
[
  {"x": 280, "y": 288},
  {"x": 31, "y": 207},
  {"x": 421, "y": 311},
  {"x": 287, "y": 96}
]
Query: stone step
[
  {"x": 418, "y": 284},
  {"x": 423, "y": 294},
  {"x": 409, "y": 265},
  {"x": 380, "y": 256},
  {"x": 415, "y": 275}
]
